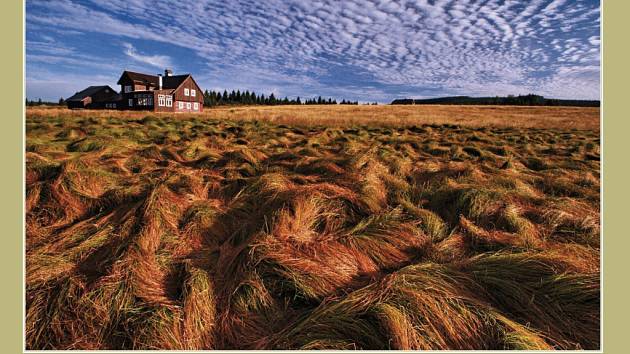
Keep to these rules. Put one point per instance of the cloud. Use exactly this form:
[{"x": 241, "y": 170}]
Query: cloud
[
  {"x": 158, "y": 61},
  {"x": 470, "y": 47}
]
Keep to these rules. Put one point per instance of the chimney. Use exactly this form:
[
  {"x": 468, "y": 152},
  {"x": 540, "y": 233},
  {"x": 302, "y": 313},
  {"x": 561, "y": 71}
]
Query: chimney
[
  {"x": 168, "y": 72},
  {"x": 159, "y": 81}
]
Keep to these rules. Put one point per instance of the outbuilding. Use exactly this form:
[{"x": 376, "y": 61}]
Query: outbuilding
[{"x": 94, "y": 97}]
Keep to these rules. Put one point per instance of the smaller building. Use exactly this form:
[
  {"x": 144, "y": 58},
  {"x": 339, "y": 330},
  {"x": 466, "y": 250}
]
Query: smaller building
[{"x": 94, "y": 97}]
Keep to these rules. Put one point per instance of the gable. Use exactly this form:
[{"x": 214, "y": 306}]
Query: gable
[
  {"x": 128, "y": 77},
  {"x": 92, "y": 91},
  {"x": 196, "y": 85},
  {"x": 188, "y": 83}
]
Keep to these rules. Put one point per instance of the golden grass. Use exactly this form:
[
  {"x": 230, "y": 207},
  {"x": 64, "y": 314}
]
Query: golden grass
[
  {"x": 389, "y": 115},
  {"x": 313, "y": 228}
]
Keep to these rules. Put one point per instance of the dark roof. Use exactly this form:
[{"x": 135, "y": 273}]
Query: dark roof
[
  {"x": 173, "y": 82},
  {"x": 168, "y": 82},
  {"x": 153, "y": 79},
  {"x": 89, "y": 92}
]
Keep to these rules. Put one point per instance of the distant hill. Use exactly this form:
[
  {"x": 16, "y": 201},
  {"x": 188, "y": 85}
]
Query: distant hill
[{"x": 522, "y": 100}]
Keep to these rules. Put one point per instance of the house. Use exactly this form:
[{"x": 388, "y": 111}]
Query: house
[
  {"x": 160, "y": 93},
  {"x": 94, "y": 97},
  {"x": 138, "y": 91}
]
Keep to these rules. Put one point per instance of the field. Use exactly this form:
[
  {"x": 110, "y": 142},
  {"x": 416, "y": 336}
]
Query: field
[{"x": 433, "y": 227}]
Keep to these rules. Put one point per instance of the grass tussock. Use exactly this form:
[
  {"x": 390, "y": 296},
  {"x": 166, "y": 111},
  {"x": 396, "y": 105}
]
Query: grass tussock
[{"x": 271, "y": 231}]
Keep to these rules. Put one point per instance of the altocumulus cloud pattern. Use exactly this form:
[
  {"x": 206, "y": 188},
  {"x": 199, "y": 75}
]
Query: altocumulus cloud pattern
[{"x": 365, "y": 50}]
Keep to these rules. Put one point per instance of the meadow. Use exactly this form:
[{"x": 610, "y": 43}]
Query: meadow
[{"x": 355, "y": 227}]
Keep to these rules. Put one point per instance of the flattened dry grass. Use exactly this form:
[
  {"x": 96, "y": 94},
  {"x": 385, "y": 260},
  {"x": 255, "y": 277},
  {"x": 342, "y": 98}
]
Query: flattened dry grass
[{"x": 295, "y": 228}]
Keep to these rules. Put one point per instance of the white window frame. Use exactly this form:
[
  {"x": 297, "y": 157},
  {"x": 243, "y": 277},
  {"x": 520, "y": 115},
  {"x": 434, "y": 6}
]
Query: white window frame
[
  {"x": 193, "y": 92},
  {"x": 128, "y": 88},
  {"x": 196, "y": 106},
  {"x": 161, "y": 100},
  {"x": 169, "y": 101},
  {"x": 188, "y": 105},
  {"x": 180, "y": 104},
  {"x": 186, "y": 92},
  {"x": 130, "y": 102}
]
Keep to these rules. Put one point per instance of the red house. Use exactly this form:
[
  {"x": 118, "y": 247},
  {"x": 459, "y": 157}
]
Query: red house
[{"x": 158, "y": 93}]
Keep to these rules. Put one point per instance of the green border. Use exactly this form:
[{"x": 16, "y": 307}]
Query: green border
[
  {"x": 12, "y": 176},
  {"x": 614, "y": 151},
  {"x": 616, "y": 127}
]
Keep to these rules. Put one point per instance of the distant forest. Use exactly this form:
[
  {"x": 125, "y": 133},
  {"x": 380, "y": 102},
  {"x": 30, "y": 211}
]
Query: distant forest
[
  {"x": 39, "y": 102},
  {"x": 216, "y": 98},
  {"x": 521, "y": 100}
]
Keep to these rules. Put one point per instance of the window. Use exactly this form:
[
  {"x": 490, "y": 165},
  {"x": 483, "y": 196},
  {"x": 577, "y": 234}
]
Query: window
[
  {"x": 186, "y": 93},
  {"x": 193, "y": 92},
  {"x": 180, "y": 104},
  {"x": 161, "y": 100},
  {"x": 131, "y": 102},
  {"x": 169, "y": 101},
  {"x": 128, "y": 89},
  {"x": 113, "y": 105},
  {"x": 144, "y": 99},
  {"x": 187, "y": 105},
  {"x": 196, "y": 105}
]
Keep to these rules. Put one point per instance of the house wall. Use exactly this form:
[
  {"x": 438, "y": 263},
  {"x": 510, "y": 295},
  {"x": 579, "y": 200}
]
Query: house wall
[
  {"x": 75, "y": 104},
  {"x": 103, "y": 95},
  {"x": 179, "y": 96},
  {"x": 124, "y": 83},
  {"x": 136, "y": 96},
  {"x": 142, "y": 87},
  {"x": 136, "y": 86},
  {"x": 159, "y": 108},
  {"x": 185, "y": 106},
  {"x": 190, "y": 84}
]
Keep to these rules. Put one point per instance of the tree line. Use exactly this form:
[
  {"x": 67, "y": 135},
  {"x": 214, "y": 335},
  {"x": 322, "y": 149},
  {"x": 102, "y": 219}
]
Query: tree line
[
  {"x": 216, "y": 98},
  {"x": 39, "y": 102},
  {"x": 521, "y": 100}
]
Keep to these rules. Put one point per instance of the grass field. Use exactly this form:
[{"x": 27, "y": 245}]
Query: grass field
[{"x": 433, "y": 227}]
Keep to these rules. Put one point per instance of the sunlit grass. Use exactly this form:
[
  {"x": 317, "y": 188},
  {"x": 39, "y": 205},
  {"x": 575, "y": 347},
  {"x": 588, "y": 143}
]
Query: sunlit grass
[{"x": 313, "y": 228}]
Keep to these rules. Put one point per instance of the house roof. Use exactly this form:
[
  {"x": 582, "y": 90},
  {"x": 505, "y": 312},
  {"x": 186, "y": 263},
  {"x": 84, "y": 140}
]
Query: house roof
[
  {"x": 168, "y": 82},
  {"x": 89, "y": 92},
  {"x": 173, "y": 82},
  {"x": 138, "y": 77}
]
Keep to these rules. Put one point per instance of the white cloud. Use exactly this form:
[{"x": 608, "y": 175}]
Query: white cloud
[
  {"x": 496, "y": 47},
  {"x": 158, "y": 61}
]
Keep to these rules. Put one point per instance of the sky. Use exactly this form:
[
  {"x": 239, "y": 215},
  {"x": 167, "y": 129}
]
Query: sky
[{"x": 365, "y": 50}]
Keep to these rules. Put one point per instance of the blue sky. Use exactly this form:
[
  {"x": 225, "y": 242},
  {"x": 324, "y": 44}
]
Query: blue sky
[{"x": 355, "y": 49}]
